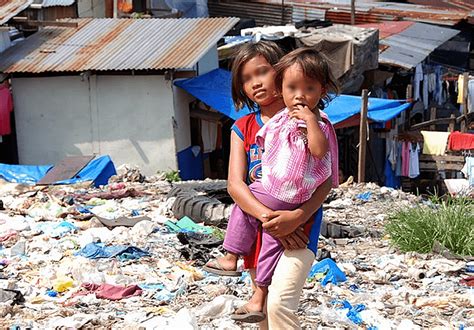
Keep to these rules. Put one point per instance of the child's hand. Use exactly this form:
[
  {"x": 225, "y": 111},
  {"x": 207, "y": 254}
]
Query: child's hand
[{"x": 303, "y": 113}]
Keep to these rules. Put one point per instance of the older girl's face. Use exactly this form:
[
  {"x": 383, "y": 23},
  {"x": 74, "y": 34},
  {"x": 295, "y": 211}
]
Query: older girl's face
[{"x": 258, "y": 78}]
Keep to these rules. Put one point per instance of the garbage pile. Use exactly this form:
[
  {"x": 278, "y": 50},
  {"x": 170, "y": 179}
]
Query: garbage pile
[{"x": 115, "y": 257}]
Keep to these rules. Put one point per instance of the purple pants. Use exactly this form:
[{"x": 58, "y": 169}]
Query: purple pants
[{"x": 242, "y": 231}]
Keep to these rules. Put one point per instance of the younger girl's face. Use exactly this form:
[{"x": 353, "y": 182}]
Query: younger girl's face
[
  {"x": 258, "y": 81},
  {"x": 297, "y": 89}
]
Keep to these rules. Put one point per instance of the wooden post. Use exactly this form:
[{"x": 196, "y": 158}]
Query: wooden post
[
  {"x": 464, "y": 102},
  {"x": 115, "y": 9},
  {"x": 353, "y": 12},
  {"x": 406, "y": 125},
  {"x": 433, "y": 117},
  {"x": 363, "y": 135},
  {"x": 452, "y": 122},
  {"x": 282, "y": 12}
]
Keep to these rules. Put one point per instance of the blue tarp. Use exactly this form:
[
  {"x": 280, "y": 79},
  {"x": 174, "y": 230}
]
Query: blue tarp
[
  {"x": 98, "y": 170},
  {"x": 214, "y": 89}
]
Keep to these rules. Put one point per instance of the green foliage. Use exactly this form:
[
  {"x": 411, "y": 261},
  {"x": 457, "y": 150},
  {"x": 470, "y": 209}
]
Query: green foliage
[
  {"x": 171, "y": 176},
  {"x": 449, "y": 221}
]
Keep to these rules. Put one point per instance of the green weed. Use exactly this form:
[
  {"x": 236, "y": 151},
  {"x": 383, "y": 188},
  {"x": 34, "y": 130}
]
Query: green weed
[{"x": 449, "y": 221}]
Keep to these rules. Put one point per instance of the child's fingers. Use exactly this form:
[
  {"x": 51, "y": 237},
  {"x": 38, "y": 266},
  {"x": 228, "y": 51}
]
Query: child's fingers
[{"x": 295, "y": 114}]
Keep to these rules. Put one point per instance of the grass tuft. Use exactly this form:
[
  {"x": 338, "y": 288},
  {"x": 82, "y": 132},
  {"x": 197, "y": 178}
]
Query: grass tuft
[{"x": 449, "y": 221}]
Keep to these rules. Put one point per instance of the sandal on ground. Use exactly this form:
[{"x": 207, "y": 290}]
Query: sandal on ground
[
  {"x": 242, "y": 314},
  {"x": 214, "y": 267}
]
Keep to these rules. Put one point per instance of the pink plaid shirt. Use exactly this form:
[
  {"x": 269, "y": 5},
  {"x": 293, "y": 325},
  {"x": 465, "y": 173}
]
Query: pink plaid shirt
[{"x": 289, "y": 172}]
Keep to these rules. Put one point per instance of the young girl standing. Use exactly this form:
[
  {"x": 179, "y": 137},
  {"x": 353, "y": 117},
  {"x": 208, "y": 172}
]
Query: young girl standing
[
  {"x": 253, "y": 84},
  {"x": 295, "y": 162}
]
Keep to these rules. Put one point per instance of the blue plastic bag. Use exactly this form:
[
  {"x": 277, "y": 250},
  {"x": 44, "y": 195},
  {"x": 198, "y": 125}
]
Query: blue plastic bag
[
  {"x": 333, "y": 273},
  {"x": 364, "y": 196}
]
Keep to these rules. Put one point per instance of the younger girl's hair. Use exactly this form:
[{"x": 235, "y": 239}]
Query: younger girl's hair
[
  {"x": 314, "y": 66},
  {"x": 268, "y": 49}
]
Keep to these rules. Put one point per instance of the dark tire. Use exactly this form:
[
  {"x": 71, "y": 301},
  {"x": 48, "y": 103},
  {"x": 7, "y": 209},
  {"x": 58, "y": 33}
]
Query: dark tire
[{"x": 190, "y": 201}]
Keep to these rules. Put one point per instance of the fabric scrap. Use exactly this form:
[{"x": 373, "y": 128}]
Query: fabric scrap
[
  {"x": 99, "y": 250},
  {"x": 185, "y": 224},
  {"x": 6, "y": 108},
  {"x": 109, "y": 291}
]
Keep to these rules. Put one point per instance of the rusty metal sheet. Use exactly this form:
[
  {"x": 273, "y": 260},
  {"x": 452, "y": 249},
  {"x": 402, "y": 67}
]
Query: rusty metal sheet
[
  {"x": 65, "y": 169},
  {"x": 11, "y": 8},
  {"x": 117, "y": 44}
]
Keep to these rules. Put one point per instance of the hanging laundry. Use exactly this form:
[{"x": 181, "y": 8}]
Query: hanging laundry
[
  {"x": 405, "y": 158},
  {"x": 209, "y": 135},
  {"x": 460, "y": 88},
  {"x": 398, "y": 168},
  {"x": 470, "y": 95},
  {"x": 431, "y": 82},
  {"x": 6, "y": 107},
  {"x": 438, "y": 93},
  {"x": 417, "y": 78},
  {"x": 426, "y": 96},
  {"x": 414, "y": 167},
  {"x": 460, "y": 141},
  {"x": 468, "y": 170},
  {"x": 434, "y": 142},
  {"x": 392, "y": 156},
  {"x": 391, "y": 179}
]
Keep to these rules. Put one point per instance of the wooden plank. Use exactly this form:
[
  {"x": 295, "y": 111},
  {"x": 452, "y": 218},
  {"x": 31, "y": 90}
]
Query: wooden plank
[
  {"x": 440, "y": 121},
  {"x": 440, "y": 166},
  {"x": 363, "y": 136},
  {"x": 452, "y": 123},
  {"x": 65, "y": 169},
  {"x": 26, "y": 20},
  {"x": 448, "y": 158}
]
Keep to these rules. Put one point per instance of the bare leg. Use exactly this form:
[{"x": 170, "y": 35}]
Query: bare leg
[
  {"x": 257, "y": 301},
  {"x": 252, "y": 312}
]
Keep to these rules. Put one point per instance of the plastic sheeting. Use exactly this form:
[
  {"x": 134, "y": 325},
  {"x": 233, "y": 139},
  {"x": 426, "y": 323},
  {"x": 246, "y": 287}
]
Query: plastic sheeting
[
  {"x": 98, "y": 170},
  {"x": 214, "y": 89}
]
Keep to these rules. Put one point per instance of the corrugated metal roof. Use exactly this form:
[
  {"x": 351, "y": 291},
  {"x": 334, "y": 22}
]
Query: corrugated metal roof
[
  {"x": 10, "y": 8},
  {"x": 388, "y": 29},
  {"x": 338, "y": 11},
  {"x": 406, "y": 46},
  {"x": 450, "y": 4},
  {"x": 117, "y": 44},
  {"x": 57, "y": 3},
  {"x": 372, "y": 12},
  {"x": 262, "y": 13}
]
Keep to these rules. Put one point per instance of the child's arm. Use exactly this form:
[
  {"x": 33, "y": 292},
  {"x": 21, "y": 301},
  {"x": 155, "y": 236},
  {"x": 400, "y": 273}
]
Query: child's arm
[{"x": 317, "y": 142}]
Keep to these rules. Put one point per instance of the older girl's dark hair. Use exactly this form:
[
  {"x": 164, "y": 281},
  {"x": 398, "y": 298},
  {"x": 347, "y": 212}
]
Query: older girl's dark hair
[
  {"x": 268, "y": 49},
  {"x": 314, "y": 66}
]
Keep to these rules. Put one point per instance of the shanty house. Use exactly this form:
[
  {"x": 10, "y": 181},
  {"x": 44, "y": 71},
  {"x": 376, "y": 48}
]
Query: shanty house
[{"x": 106, "y": 87}]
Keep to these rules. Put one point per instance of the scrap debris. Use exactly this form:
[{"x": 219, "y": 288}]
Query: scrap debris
[{"x": 115, "y": 256}]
